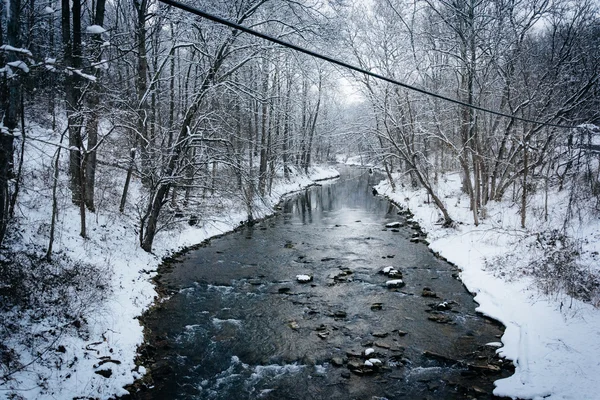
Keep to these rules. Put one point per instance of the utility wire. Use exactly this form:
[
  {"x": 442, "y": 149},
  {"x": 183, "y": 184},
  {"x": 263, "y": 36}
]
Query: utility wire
[{"x": 292, "y": 46}]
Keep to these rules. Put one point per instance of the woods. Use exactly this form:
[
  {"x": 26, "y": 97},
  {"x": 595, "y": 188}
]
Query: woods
[
  {"x": 199, "y": 105},
  {"x": 135, "y": 121}
]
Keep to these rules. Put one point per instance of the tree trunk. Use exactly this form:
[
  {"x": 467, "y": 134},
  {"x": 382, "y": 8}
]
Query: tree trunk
[{"x": 11, "y": 117}]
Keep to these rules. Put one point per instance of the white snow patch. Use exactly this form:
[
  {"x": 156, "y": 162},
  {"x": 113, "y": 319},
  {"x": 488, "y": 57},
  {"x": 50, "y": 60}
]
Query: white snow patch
[
  {"x": 304, "y": 278},
  {"x": 19, "y": 64},
  {"x": 95, "y": 29}
]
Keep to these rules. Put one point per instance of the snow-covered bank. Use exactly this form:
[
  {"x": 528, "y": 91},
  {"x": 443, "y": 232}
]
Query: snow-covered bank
[
  {"x": 553, "y": 340},
  {"x": 92, "y": 355}
]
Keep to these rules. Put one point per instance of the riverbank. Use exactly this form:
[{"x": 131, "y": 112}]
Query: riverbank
[
  {"x": 551, "y": 338},
  {"x": 81, "y": 341}
]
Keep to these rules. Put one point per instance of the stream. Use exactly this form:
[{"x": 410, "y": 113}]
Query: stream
[{"x": 238, "y": 324}]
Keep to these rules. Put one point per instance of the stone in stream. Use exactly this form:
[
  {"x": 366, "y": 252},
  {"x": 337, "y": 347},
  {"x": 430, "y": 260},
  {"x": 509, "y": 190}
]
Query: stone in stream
[
  {"x": 427, "y": 292},
  {"x": 304, "y": 278},
  {"x": 340, "y": 314},
  {"x": 380, "y": 334},
  {"x": 443, "y": 306},
  {"x": 395, "y": 224},
  {"x": 337, "y": 361},
  {"x": 394, "y": 283},
  {"x": 440, "y": 318},
  {"x": 391, "y": 272},
  {"x": 323, "y": 335},
  {"x": 284, "y": 290},
  {"x": 382, "y": 345},
  {"x": 376, "y": 306},
  {"x": 402, "y": 333}
]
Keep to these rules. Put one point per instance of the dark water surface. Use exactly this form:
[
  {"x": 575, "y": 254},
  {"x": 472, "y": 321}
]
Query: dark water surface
[{"x": 240, "y": 326}]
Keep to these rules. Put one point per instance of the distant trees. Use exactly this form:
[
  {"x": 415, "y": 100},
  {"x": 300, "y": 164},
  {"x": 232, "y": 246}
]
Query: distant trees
[{"x": 531, "y": 59}]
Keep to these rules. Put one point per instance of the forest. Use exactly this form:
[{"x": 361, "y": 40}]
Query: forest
[{"x": 137, "y": 115}]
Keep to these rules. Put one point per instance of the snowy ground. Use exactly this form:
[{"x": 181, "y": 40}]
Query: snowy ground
[
  {"x": 553, "y": 340},
  {"x": 63, "y": 362}
]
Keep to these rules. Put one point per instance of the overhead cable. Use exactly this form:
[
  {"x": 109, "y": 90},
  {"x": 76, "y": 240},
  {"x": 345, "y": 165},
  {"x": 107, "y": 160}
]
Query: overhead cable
[{"x": 332, "y": 60}]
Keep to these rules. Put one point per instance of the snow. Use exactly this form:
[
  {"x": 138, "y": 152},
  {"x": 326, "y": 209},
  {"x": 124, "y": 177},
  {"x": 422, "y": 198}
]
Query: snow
[
  {"x": 49, "y": 10},
  {"x": 7, "y": 47},
  {"x": 394, "y": 283},
  {"x": 373, "y": 362},
  {"x": 112, "y": 326},
  {"x": 369, "y": 351},
  {"x": 95, "y": 29},
  {"x": 19, "y": 64},
  {"x": 303, "y": 278},
  {"x": 85, "y": 76},
  {"x": 553, "y": 340}
]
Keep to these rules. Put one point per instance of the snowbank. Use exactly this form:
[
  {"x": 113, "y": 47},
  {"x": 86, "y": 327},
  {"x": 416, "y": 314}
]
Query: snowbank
[{"x": 554, "y": 341}]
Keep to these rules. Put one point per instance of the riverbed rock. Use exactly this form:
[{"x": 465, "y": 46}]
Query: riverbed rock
[
  {"x": 427, "y": 292},
  {"x": 395, "y": 224},
  {"x": 353, "y": 353},
  {"x": 294, "y": 325},
  {"x": 340, "y": 314},
  {"x": 391, "y": 272},
  {"x": 440, "y": 318},
  {"x": 376, "y": 306},
  {"x": 304, "y": 278},
  {"x": 373, "y": 362},
  {"x": 380, "y": 334},
  {"x": 394, "y": 283},
  {"x": 354, "y": 365},
  {"x": 337, "y": 361},
  {"x": 382, "y": 345},
  {"x": 323, "y": 335},
  {"x": 402, "y": 333}
]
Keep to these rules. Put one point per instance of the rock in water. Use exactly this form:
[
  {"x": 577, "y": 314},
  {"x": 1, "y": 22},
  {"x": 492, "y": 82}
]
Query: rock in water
[
  {"x": 304, "y": 278},
  {"x": 393, "y": 224},
  {"x": 394, "y": 283}
]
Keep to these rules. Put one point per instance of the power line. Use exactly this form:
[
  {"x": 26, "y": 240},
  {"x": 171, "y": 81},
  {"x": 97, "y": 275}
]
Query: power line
[{"x": 292, "y": 46}]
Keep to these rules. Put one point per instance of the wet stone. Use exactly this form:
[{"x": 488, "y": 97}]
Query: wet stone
[
  {"x": 440, "y": 318},
  {"x": 376, "y": 306},
  {"x": 380, "y": 334},
  {"x": 337, "y": 361},
  {"x": 382, "y": 345},
  {"x": 427, "y": 292},
  {"x": 323, "y": 335},
  {"x": 354, "y": 353},
  {"x": 340, "y": 314}
]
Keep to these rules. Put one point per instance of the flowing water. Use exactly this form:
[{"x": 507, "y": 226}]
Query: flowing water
[{"x": 239, "y": 325}]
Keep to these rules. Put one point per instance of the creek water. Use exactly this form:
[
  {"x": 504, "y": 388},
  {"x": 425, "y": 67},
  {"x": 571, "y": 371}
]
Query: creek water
[{"x": 238, "y": 324}]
